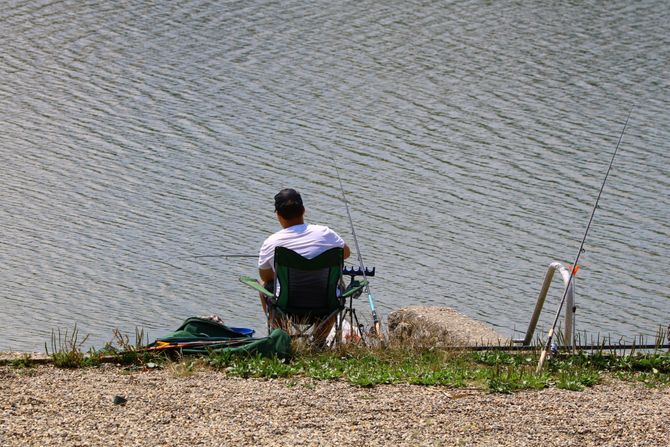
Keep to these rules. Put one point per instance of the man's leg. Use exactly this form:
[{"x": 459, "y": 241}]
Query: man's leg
[
  {"x": 321, "y": 334},
  {"x": 270, "y": 287}
]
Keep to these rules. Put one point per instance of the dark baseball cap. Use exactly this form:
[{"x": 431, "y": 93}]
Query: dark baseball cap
[{"x": 288, "y": 203}]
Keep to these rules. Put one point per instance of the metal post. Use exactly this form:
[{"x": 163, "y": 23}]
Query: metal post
[{"x": 570, "y": 302}]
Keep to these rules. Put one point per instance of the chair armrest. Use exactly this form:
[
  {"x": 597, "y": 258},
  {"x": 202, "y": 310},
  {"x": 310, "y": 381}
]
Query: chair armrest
[
  {"x": 355, "y": 289},
  {"x": 253, "y": 283}
]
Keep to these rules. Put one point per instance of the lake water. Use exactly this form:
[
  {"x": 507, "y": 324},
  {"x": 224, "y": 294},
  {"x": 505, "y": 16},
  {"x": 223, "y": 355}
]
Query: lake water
[{"x": 472, "y": 138}]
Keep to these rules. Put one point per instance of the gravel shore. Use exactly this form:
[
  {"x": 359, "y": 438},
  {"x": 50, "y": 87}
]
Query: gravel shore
[{"x": 49, "y": 406}]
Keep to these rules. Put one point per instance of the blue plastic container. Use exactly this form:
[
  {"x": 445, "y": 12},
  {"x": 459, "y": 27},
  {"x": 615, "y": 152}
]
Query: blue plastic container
[{"x": 243, "y": 330}]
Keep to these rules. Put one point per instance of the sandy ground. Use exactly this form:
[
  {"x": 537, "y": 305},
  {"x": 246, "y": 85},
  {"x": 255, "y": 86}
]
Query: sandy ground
[{"x": 49, "y": 406}]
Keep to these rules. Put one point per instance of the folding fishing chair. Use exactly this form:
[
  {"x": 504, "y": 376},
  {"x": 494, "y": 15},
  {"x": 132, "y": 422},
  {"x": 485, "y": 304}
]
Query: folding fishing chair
[{"x": 308, "y": 294}]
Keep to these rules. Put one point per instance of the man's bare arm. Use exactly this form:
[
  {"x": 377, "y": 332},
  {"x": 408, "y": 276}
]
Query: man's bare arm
[
  {"x": 347, "y": 251},
  {"x": 266, "y": 275}
]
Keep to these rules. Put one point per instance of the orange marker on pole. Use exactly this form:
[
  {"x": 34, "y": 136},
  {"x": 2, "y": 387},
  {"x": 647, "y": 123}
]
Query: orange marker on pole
[{"x": 574, "y": 269}]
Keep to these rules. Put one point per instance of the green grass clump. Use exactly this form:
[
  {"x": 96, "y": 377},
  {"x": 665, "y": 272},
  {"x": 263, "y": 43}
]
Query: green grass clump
[
  {"x": 25, "y": 361},
  {"x": 510, "y": 379},
  {"x": 125, "y": 352},
  {"x": 323, "y": 366},
  {"x": 392, "y": 366},
  {"x": 514, "y": 373},
  {"x": 496, "y": 370},
  {"x": 66, "y": 350},
  {"x": 246, "y": 366},
  {"x": 652, "y": 369},
  {"x": 360, "y": 366}
]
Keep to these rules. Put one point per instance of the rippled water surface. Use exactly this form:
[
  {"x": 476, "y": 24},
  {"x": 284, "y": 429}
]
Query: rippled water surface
[{"x": 472, "y": 138}]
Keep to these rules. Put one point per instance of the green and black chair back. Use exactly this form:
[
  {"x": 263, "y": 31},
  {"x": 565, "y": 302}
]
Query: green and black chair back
[{"x": 308, "y": 287}]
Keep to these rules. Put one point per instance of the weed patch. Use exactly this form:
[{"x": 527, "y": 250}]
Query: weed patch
[
  {"x": 497, "y": 371},
  {"x": 66, "y": 349},
  {"x": 244, "y": 366},
  {"x": 506, "y": 379},
  {"x": 25, "y": 361}
]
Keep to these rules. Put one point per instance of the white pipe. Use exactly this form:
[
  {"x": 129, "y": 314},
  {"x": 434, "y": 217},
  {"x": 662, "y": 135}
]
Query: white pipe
[{"x": 570, "y": 304}]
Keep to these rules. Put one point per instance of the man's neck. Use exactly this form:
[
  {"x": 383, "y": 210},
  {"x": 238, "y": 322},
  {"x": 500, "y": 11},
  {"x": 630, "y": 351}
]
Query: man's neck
[{"x": 292, "y": 222}]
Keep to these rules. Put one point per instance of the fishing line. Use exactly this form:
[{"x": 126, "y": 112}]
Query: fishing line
[
  {"x": 375, "y": 318},
  {"x": 550, "y": 335},
  {"x": 219, "y": 256}
]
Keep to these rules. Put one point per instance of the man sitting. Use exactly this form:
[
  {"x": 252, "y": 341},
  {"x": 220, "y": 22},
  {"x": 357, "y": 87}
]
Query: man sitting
[{"x": 307, "y": 240}]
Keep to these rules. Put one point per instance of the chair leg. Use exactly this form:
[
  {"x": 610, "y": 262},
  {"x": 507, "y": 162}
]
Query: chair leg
[
  {"x": 321, "y": 330},
  {"x": 338, "y": 330}
]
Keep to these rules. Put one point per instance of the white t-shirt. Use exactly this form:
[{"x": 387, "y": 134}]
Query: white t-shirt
[{"x": 306, "y": 240}]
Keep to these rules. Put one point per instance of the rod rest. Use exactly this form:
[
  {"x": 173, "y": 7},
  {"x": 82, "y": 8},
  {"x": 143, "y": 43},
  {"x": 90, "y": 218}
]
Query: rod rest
[{"x": 351, "y": 271}]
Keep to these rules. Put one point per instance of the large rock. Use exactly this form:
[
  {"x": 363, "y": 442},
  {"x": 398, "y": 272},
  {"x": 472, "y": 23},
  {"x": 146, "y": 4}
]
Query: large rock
[{"x": 440, "y": 326}]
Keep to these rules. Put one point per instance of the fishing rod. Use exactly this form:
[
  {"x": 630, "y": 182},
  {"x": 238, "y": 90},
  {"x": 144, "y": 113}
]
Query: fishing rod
[
  {"x": 191, "y": 257},
  {"x": 550, "y": 335},
  {"x": 164, "y": 345},
  {"x": 375, "y": 318},
  {"x": 220, "y": 256}
]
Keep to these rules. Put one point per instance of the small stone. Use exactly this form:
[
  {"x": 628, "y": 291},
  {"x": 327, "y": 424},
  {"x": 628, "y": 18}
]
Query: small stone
[{"x": 120, "y": 400}]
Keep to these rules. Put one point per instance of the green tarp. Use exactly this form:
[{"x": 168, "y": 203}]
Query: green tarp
[
  {"x": 196, "y": 327},
  {"x": 203, "y": 336}
]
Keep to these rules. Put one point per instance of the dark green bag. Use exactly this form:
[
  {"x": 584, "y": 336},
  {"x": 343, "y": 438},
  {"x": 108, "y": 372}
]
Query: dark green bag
[
  {"x": 202, "y": 336},
  {"x": 209, "y": 329}
]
